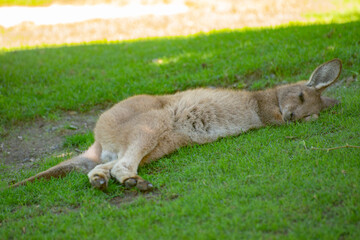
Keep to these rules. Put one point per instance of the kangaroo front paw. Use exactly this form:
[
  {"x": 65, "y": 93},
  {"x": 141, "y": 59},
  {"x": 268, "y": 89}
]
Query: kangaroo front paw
[
  {"x": 139, "y": 183},
  {"x": 99, "y": 179},
  {"x": 99, "y": 182}
]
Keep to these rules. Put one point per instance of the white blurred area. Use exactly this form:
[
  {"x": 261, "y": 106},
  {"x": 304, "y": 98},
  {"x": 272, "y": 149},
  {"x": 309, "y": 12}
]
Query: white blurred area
[
  {"x": 64, "y": 14},
  {"x": 79, "y": 21}
]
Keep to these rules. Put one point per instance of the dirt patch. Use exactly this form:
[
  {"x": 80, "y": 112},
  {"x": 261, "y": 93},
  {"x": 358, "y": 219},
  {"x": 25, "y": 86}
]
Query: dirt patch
[{"x": 23, "y": 145}]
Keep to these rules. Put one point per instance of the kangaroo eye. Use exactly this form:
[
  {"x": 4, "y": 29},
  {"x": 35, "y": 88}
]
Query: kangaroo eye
[{"x": 301, "y": 97}]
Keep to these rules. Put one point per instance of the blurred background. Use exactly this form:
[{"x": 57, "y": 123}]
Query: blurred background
[{"x": 39, "y": 22}]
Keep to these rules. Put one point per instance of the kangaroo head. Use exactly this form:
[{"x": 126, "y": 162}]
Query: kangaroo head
[{"x": 303, "y": 100}]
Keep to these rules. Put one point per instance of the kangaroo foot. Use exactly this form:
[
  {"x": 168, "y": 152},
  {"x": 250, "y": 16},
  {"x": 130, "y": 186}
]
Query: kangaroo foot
[
  {"x": 99, "y": 178},
  {"x": 139, "y": 183}
]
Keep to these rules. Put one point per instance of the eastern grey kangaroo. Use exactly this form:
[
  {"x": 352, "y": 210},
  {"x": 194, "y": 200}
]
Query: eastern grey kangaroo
[{"x": 144, "y": 128}]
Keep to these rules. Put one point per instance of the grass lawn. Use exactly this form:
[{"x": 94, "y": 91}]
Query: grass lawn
[{"x": 268, "y": 183}]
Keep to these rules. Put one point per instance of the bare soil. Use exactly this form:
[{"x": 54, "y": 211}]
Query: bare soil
[{"x": 27, "y": 143}]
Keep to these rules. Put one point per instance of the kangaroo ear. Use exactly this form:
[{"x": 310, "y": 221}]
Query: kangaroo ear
[{"x": 325, "y": 75}]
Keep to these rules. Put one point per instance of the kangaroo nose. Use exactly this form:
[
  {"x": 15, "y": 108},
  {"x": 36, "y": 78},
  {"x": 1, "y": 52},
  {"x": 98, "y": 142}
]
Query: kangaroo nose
[{"x": 290, "y": 116}]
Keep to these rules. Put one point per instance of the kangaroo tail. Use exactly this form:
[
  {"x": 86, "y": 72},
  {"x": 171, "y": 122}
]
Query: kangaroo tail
[{"x": 84, "y": 163}]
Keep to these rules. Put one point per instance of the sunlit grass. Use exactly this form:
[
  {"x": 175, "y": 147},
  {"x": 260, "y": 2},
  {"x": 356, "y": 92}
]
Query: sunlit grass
[
  {"x": 25, "y": 2},
  {"x": 344, "y": 11}
]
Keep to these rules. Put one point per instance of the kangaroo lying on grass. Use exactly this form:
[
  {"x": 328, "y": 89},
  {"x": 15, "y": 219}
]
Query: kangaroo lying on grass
[{"x": 144, "y": 128}]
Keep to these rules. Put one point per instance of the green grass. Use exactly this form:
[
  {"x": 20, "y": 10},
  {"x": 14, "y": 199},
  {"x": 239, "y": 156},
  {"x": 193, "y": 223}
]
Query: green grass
[
  {"x": 79, "y": 140},
  {"x": 267, "y": 183}
]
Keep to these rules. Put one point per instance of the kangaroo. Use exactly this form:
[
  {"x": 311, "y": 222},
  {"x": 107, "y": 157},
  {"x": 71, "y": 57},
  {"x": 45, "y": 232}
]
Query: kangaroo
[{"x": 144, "y": 128}]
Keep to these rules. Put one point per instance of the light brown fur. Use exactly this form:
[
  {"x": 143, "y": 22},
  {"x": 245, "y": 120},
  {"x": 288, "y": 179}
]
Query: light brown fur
[{"x": 144, "y": 128}]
